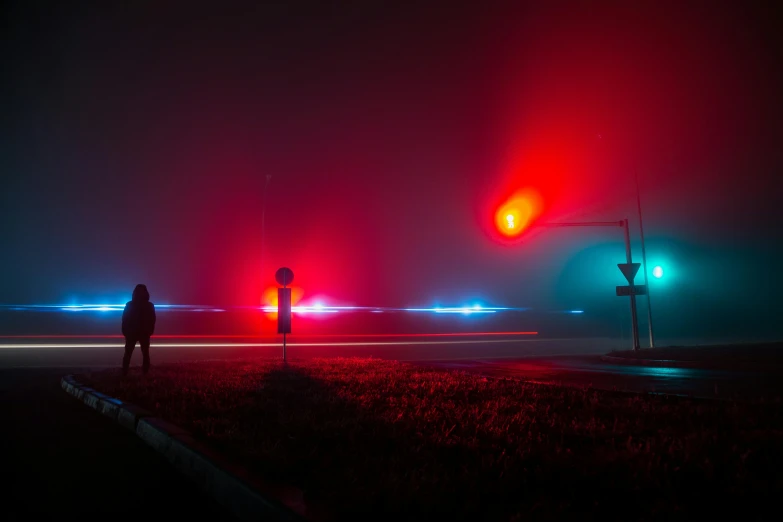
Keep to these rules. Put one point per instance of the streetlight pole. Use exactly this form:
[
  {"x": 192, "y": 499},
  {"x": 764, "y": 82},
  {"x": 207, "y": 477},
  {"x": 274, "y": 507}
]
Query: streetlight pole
[
  {"x": 627, "y": 235},
  {"x": 644, "y": 263},
  {"x": 263, "y": 226}
]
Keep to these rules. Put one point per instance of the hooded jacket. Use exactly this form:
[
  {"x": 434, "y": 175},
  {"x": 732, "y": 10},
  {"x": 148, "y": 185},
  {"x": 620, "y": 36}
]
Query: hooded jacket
[{"x": 138, "y": 318}]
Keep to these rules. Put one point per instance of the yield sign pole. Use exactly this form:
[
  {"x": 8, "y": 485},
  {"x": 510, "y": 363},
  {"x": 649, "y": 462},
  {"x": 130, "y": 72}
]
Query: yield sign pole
[
  {"x": 644, "y": 264},
  {"x": 632, "y": 295}
]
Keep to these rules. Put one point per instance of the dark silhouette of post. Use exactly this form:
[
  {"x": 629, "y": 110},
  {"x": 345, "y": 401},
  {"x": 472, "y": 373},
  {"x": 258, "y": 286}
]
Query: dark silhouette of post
[
  {"x": 632, "y": 294},
  {"x": 138, "y": 325},
  {"x": 284, "y": 276}
]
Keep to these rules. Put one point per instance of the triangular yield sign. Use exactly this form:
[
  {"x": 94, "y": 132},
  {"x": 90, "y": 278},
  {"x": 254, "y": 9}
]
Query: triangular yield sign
[{"x": 629, "y": 270}]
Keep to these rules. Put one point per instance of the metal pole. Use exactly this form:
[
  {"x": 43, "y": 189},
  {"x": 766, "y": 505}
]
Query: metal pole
[
  {"x": 284, "y": 347},
  {"x": 644, "y": 263},
  {"x": 263, "y": 228},
  {"x": 629, "y": 260},
  {"x": 263, "y": 231},
  {"x": 583, "y": 224}
]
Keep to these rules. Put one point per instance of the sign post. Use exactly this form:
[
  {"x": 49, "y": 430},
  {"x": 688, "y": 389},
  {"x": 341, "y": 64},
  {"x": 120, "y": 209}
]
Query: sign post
[
  {"x": 284, "y": 276},
  {"x": 629, "y": 269},
  {"x": 644, "y": 263}
]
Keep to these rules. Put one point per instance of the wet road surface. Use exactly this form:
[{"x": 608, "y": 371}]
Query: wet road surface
[{"x": 590, "y": 370}]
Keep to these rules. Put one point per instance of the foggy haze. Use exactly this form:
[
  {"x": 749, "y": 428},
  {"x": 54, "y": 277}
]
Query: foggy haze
[{"x": 137, "y": 138}]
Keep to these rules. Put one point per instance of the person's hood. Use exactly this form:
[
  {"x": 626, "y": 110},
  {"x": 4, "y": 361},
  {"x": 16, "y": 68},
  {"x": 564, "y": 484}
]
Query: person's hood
[{"x": 140, "y": 293}]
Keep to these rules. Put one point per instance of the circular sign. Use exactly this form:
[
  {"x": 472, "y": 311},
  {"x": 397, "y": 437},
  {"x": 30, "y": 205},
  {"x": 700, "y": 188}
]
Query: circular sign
[{"x": 284, "y": 276}]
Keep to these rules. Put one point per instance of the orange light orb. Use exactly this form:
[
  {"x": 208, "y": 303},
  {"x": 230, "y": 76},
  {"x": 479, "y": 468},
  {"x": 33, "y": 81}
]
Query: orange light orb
[
  {"x": 515, "y": 215},
  {"x": 269, "y": 298}
]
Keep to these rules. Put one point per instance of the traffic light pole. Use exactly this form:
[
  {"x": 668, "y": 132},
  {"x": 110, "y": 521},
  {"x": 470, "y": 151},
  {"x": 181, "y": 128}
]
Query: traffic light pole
[
  {"x": 624, "y": 225},
  {"x": 644, "y": 264},
  {"x": 634, "y": 317}
]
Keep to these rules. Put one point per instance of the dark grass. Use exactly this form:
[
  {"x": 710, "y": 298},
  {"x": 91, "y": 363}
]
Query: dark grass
[{"x": 363, "y": 435}]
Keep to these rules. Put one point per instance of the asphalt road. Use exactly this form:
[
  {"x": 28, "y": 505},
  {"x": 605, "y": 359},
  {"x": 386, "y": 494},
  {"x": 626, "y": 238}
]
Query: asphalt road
[
  {"x": 107, "y": 352},
  {"x": 591, "y": 371}
]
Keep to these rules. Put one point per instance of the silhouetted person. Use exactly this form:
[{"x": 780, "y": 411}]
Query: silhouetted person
[{"x": 138, "y": 325}]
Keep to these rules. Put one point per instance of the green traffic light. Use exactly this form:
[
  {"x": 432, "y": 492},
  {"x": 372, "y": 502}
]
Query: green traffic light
[{"x": 657, "y": 272}]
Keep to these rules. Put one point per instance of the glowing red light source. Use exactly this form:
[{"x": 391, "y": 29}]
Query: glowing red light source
[
  {"x": 269, "y": 299},
  {"x": 518, "y": 212}
]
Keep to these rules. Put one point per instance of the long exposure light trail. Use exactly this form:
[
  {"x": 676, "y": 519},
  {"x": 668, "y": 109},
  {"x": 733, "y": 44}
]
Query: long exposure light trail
[{"x": 51, "y": 346}]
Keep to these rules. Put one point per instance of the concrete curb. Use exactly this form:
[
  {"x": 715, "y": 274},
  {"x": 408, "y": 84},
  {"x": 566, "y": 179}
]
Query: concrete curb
[
  {"x": 661, "y": 363},
  {"x": 246, "y": 497},
  {"x": 127, "y": 415}
]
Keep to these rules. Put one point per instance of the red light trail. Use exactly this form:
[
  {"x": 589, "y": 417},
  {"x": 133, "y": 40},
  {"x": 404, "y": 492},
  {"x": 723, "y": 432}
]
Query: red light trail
[{"x": 168, "y": 336}]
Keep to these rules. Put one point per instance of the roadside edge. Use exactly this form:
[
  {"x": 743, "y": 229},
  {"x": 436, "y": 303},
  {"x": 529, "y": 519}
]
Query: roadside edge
[
  {"x": 661, "y": 363},
  {"x": 228, "y": 484}
]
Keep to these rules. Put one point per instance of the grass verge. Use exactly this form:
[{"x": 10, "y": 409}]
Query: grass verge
[{"x": 364, "y": 435}]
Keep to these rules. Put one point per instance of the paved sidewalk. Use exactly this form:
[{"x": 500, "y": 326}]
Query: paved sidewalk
[{"x": 65, "y": 460}]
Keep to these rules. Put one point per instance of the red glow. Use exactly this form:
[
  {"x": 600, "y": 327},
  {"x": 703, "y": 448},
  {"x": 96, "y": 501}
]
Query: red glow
[
  {"x": 516, "y": 214},
  {"x": 269, "y": 298}
]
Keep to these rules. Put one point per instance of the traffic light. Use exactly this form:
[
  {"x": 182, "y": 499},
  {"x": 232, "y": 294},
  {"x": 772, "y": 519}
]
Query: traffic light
[
  {"x": 657, "y": 272},
  {"x": 517, "y": 213}
]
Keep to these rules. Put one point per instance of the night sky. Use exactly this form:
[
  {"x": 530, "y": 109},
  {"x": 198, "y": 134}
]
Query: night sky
[{"x": 136, "y": 140}]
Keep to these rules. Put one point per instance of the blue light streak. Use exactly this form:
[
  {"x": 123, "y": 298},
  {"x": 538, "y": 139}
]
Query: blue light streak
[
  {"x": 105, "y": 308},
  {"x": 316, "y": 308}
]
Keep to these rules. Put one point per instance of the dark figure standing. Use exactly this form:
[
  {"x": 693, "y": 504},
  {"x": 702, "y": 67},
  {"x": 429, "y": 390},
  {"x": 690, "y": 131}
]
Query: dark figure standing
[{"x": 138, "y": 325}]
